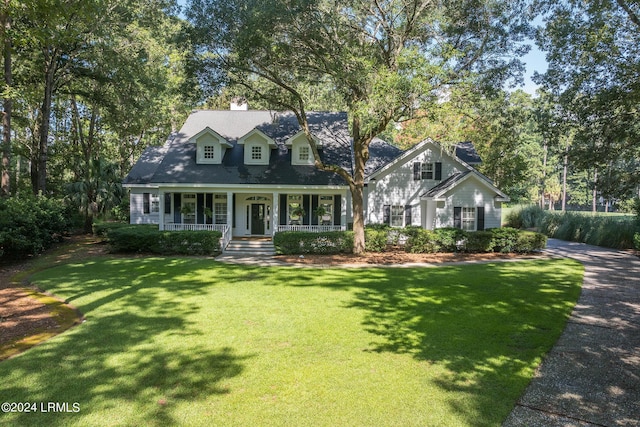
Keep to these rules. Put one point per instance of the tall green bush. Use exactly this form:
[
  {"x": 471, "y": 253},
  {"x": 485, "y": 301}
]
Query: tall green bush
[
  {"x": 148, "y": 239},
  {"x": 31, "y": 224},
  {"x": 303, "y": 242},
  {"x": 599, "y": 230},
  {"x": 479, "y": 242},
  {"x": 423, "y": 242},
  {"x": 504, "y": 239},
  {"x": 376, "y": 239}
]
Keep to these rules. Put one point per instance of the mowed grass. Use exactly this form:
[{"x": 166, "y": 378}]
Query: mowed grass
[{"x": 184, "y": 341}]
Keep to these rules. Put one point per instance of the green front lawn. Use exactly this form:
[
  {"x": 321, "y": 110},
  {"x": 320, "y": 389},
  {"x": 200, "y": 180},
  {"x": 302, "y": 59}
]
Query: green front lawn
[{"x": 192, "y": 342}]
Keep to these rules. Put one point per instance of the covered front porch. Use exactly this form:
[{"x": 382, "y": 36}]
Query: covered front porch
[{"x": 246, "y": 213}]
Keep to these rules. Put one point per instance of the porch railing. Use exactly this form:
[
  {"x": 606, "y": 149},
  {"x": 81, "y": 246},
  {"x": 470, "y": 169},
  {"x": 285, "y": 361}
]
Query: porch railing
[
  {"x": 311, "y": 228},
  {"x": 223, "y": 228},
  {"x": 195, "y": 227}
]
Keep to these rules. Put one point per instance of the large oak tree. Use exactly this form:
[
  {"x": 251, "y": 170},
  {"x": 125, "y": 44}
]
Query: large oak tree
[{"x": 384, "y": 60}]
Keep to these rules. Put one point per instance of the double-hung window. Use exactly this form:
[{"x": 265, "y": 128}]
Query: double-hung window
[
  {"x": 397, "y": 216},
  {"x": 150, "y": 203},
  {"x": 220, "y": 209},
  {"x": 427, "y": 170},
  {"x": 469, "y": 219}
]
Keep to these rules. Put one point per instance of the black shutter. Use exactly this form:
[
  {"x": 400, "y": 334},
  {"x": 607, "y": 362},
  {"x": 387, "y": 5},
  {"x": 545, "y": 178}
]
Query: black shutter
[
  {"x": 337, "y": 210},
  {"x": 208, "y": 202},
  {"x": 457, "y": 217},
  {"x": 416, "y": 171},
  {"x": 407, "y": 215},
  {"x": 438, "y": 171},
  {"x": 386, "y": 214},
  {"x": 481, "y": 218},
  {"x": 167, "y": 203},
  {"x": 146, "y": 204},
  {"x": 177, "y": 201},
  {"x": 283, "y": 209},
  {"x": 306, "y": 205},
  {"x": 233, "y": 211},
  {"x": 200, "y": 208},
  {"x": 314, "y": 206}
]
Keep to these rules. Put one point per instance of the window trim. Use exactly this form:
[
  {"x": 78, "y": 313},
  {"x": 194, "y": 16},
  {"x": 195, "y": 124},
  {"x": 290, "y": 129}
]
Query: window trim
[
  {"x": 396, "y": 212},
  {"x": 208, "y": 152},
  {"x": 256, "y": 153},
  {"x": 304, "y": 153},
  {"x": 426, "y": 170},
  {"x": 468, "y": 218}
]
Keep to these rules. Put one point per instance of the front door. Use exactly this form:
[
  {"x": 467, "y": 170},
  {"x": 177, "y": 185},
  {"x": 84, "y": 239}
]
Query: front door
[{"x": 257, "y": 218}]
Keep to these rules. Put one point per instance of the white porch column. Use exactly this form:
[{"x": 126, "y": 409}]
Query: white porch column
[
  {"x": 160, "y": 210},
  {"x": 229, "y": 211},
  {"x": 346, "y": 207},
  {"x": 275, "y": 212}
]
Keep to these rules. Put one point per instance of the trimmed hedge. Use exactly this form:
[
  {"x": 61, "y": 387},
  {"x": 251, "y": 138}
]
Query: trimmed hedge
[
  {"x": 303, "y": 242},
  {"x": 494, "y": 240},
  {"x": 505, "y": 239},
  {"x": 28, "y": 225},
  {"x": 418, "y": 240},
  {"x": 528, "y": 241},
  {"x": 148, "y": 239},
  {"x": 375, "y": 240},
  {"x": 423, "y": 242},
  {"x": 479, "y": 242}
]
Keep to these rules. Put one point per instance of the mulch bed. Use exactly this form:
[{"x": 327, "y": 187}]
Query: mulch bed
[{"x": 21, "y": 313}]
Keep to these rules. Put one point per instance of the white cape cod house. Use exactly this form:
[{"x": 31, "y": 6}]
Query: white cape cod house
[{"x": 248, "y": 173}]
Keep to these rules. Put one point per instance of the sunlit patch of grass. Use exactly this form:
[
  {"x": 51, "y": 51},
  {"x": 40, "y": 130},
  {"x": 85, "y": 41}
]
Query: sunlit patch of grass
[{"x": 183, "y": 341}]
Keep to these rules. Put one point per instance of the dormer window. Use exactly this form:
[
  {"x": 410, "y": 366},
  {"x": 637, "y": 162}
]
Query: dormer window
[
  {"x": 257, "y": 147},
  {"x": 303, "y": 154},
  {"x": 301, "y": 150},
  {"x": 256, "y": 152},
  {"x": 210, "y": 146},
  {"x": 209, "y": 152}
]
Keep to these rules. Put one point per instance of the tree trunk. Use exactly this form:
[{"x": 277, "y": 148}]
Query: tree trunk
[
  {"x": 45, "y": 122},
  {"x": 543, "y": 184},
  {"x": 594, "y": 204},
  {"x": 360, "y": 157},
  {"x": 5, "y": 185},
  {"x": 565, "y": 167}
]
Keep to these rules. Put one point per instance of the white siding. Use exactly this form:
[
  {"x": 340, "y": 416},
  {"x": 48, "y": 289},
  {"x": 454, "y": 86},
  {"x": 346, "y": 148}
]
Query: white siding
[
  {"x": 136, "y": 209},
  {"x": 397, "y": 187},
  {"x": 471, "y": 193}
]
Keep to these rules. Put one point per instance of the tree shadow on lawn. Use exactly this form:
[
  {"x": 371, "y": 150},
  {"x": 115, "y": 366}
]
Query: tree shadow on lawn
[
  {"x": 114, "y": 358},
  {"x": 486, "y": 323},
  {"x": 489, "y": 324}
]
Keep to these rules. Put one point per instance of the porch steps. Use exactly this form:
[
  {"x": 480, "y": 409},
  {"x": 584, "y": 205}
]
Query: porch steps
[{"x": 251, "y": 247}]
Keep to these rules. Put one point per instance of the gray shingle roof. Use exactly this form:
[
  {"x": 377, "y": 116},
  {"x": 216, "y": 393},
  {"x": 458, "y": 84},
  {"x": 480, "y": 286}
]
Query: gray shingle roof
[
  {"x": 176, "y": 161},
  {"x": 466, "y": 152},
  {"x": 144, "y": 169},
  {"x": 446, "y": 184}
]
